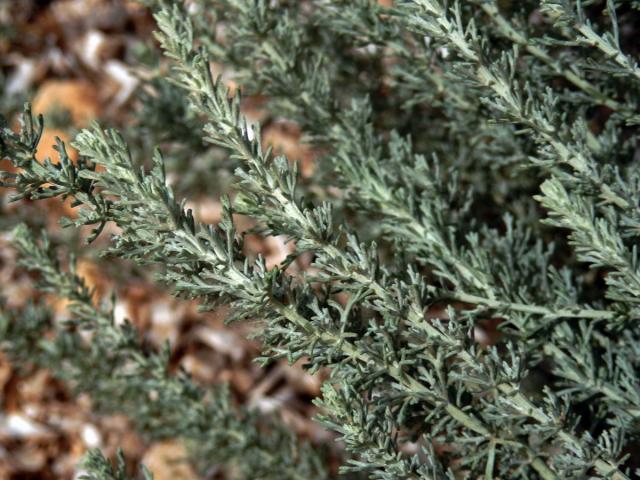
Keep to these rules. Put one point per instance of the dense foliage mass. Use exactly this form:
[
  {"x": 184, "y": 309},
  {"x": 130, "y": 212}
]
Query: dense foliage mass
[{"x": 477, "y": 165}]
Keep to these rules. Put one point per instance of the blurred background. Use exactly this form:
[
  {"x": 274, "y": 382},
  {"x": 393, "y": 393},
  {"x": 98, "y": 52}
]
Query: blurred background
[{"x": 78, "y": 61}]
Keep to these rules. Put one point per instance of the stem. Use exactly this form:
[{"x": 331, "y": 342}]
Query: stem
[
  {"x": 491, "y": 9},
  {"x": 595, "y": 40},
  {"x": 575, "y": 312}
]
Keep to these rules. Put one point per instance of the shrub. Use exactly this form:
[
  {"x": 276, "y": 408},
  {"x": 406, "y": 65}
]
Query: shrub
[{"x": 476, "y": 166}]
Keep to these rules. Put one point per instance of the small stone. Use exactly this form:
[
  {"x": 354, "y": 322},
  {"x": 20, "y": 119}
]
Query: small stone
[
  {"x": 78, "y": 97},
  {"x": 167, "y": 460}
]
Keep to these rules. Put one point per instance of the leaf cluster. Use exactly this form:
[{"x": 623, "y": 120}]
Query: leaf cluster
[{"x": 476, "y": 164}]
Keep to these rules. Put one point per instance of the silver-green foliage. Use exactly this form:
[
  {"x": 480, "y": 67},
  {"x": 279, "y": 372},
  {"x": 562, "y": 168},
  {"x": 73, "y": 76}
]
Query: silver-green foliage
[
  {"x": 442, "y": 204},
  {"x": 97, "y": 467},
  {"x": 96, "y": 356}
]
